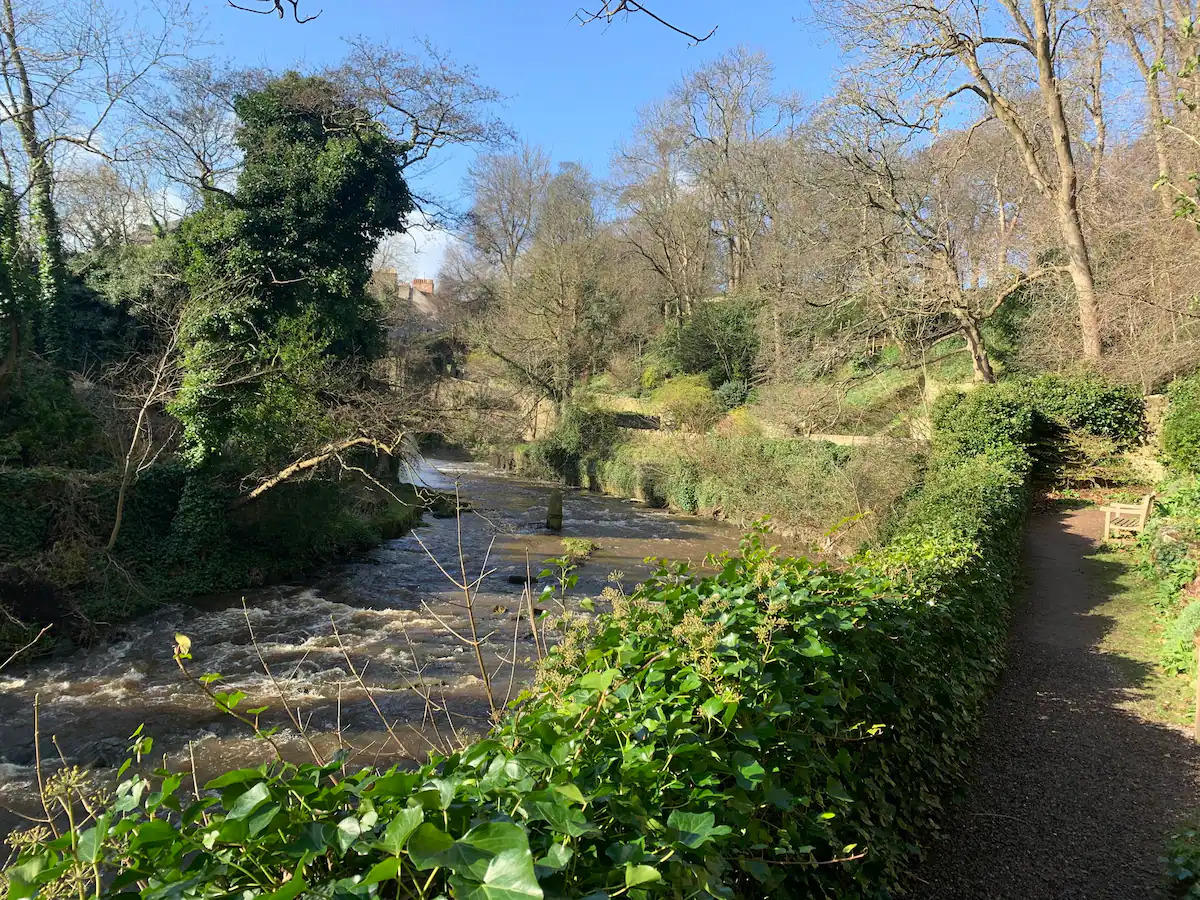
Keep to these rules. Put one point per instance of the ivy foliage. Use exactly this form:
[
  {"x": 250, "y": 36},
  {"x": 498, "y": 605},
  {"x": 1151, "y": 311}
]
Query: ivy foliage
[
  {"x": 42, "y": 422},
  {"x": 778, "y": 728},
  {"x": 1077, "y": 426},
  {"x": 1089, "y": 404},
  {"x": 1183, "y": 858},
  {"x": 1181, "y": 425},
  {"x": 583, "y": 435},
  {"x": 278, "y": 270}
]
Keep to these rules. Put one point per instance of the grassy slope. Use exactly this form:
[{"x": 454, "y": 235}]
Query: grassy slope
[{"x": 1136, "y": 636}]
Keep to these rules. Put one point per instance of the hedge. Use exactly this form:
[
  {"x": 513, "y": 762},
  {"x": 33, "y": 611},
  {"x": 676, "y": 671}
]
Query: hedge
[
  {"x": 778, "y": 728},
  {"x": 1087, "y": 403}
]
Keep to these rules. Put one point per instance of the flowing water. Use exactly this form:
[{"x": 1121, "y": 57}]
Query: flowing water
[{"x": 361, "y": 654}]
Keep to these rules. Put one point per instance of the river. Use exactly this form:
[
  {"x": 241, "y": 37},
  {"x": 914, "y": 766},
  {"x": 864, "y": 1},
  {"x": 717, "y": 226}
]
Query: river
[{"x": 388, "y": 614}]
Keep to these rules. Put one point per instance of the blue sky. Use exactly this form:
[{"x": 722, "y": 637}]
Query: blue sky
[{"x": 574, "y": 90}]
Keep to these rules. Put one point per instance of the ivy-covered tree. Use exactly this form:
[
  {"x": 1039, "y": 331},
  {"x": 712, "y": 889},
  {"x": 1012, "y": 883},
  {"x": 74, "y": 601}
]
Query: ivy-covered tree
[
  {"x": 14, "y": 289},
  {"x": 280, "y": 324}
]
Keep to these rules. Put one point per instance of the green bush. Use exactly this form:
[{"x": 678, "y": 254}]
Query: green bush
[
  {"x": 1181, "y": 425},
  {"x": 653, "y": 375},
  {"x": 1081, "y": 421},
  {"x": 1089, "y": 404},
  {"x": 778, "y": 728},
  {"x": 1168, "y": 545},
  {"x": 733, "y": 393},
  {"x": 43, "y": 423},
  {"x": 804, "y": 487},
  {"x": 581, "y": 437},
  {"x": 688, "y": 402},
  {"x": 998, "y": 422},
  {"x": 1183, "y": 858},
  {"x": 1179, "y": 654}
]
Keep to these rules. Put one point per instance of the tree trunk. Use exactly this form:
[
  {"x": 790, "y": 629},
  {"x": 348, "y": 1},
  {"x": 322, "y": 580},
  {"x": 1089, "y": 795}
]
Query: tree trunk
[
  {"x": 12, "y": 355},
  {"x": 47, "y": 240},
  {"x": 735, "y": 263},
  {"x": 777, "y": 333},
  {"x": 1154, "y": 108},
  {"x": 1067, "y": 200},
  {"x": 980, "y": 364},
  {"x": 1079, "y": 267}
]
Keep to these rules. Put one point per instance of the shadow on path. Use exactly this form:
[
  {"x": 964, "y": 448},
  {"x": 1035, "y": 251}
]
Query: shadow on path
[{"x": 1070, "y": 795}]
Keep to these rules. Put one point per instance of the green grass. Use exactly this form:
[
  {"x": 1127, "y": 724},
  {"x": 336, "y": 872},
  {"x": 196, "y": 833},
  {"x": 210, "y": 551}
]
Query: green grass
[
  {"x": 880, "y": 387},
  {"x": 1136, "y": 638}
]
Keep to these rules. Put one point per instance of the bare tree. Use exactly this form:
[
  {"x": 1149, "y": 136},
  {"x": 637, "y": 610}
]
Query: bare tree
[
  {"x": 507, "y": 191},
  {"x": 667, "y": 222},
  {"x": 556, "y": 323},
  {"x": 425, "y": 99},
  {"x": 611, "y": 9},
  {"x": 606, "y": 12},
  {"x": 191, "y": 125},
  {"x": 996, "y": 52},
  {"x": 150, "y": 384},
  {"x": 721, "y": 115}
]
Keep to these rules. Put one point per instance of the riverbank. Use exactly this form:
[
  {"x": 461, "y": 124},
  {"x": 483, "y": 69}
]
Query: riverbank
[
  {"x": 770, "y": 664},
  {"x": 836, "y": 497},
  {"x": 180, "y": 537}
]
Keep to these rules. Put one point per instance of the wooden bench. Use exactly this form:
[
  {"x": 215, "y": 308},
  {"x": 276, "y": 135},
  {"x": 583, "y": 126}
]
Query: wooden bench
[{"x": 1130, "y": 517}]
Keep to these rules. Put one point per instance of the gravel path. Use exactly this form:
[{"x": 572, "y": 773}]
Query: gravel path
[{"x": 1070, "y": 795}]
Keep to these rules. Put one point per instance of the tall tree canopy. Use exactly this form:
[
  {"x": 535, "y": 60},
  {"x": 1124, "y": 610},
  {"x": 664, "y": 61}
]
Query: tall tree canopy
[{"x": 280, "y": 319}]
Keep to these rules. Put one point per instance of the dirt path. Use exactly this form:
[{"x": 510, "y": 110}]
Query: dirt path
[{"x": 1071, "y": 795}]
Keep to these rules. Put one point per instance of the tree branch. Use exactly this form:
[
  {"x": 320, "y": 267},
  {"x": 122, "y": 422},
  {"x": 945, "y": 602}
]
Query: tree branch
[{"x": 610, "y": 9}]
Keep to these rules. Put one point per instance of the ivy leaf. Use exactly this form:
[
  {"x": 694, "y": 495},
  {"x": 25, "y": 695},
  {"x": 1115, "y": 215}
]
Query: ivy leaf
[
  {"x": 348, "y": 831},
  {"x": 383, "y": 871},
  {"x": 749, "y": 771},
  {"x": 509, "y": 876},
  {"x": 156, "y": 831},
  {"x": 570, "y": 791},
  {"x": 635, "y": 875},
  {"x": 598, "y": 681},
  {"x": 262, "y": 819},
  {"x": 556, "y": 857},
  {"x": 399, "y": 829},
  {"x": 23, "y": 880},
  {"x": 237, "y": 776},
  {"x": 91, "y": 842},
  {"x": 552, "y": 807},
  {"x": 695, "y": 829},
  {"x": 712, "y": 707},
  {"x": 248, "y": 802},
  {"x": 293, "y": 887},
  {"x": 427, "y": 845}
]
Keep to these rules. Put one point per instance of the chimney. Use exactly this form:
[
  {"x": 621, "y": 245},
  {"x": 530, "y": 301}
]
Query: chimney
[{"x": 424, "y": 285}]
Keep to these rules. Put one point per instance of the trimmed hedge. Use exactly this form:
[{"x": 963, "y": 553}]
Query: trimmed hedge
[
  {"x": 1088, "y": 403},
  {"x": 779, "y": 728}
]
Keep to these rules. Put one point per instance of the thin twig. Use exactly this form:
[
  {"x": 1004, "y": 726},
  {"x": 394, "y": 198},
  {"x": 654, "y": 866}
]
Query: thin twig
[
  {"x": 294, "y": 719},
  {"x": 21, "y": 650}
]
